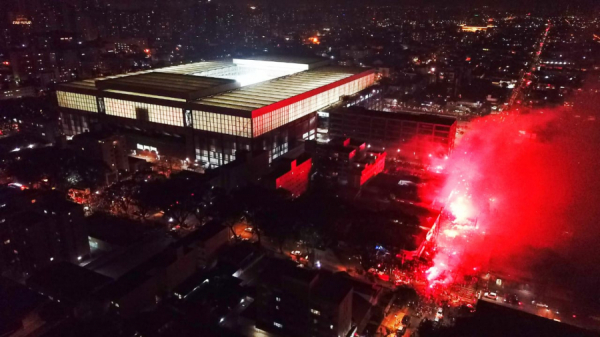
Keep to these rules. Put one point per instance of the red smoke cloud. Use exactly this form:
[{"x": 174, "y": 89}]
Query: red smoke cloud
[{"x": 531, "y": 184}]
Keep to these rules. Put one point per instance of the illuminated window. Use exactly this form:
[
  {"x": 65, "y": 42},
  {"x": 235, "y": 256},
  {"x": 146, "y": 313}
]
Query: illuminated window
[
  {"x": 146, "y": 147},
  {"x": 142, "y": 111},
  {"x": 278, "y": 299},
  {"x": 76, "y": 101},
  {"x": 284, "y": 115},
  {"x": 219, "y": 123}
]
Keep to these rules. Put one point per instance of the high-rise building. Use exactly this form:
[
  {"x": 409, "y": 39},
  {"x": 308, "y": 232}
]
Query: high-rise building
[
  {"x": 210, "y": 110},
  {"x": 111, "y": 149}
]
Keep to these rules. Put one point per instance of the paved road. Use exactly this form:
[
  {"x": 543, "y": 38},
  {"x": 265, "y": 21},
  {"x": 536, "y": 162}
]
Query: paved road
[{"x": 518, "y": 90}]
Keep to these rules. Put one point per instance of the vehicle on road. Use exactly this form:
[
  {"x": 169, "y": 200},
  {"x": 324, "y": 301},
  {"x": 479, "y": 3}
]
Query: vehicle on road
[
  {"x": 400, "y": 332},
  {"x": 512, "y": 299},
  {"x": 491, "y": 295}
]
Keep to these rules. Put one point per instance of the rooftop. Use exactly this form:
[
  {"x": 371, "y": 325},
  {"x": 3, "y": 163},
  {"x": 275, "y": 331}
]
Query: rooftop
[
  {"x": 16, "y": 301},
  {"x": 278, "y": 271},
  {"x": 137, "y": 276},
  {"x": 284, "y": 165},
  {"x": 175, "y": 85},
  {"x": 67, "y": 281},
  {"x": 202, "y": 234},
  {"x": 253, "y": 97},
  {"x": 500, "y": 320},
  {"x": 405, "y": 116},
  {"x": 331, "y": 288},
  {"x": 321, "y": 285},
  {"x": 118, "y": 231},
  {"x": 240, "y": 86}
]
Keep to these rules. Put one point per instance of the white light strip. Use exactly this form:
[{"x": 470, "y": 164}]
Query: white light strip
[{"x": 293, "y": 67}]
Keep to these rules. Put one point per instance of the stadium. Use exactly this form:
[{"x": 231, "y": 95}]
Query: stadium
[{"x": 210, "y": 110}]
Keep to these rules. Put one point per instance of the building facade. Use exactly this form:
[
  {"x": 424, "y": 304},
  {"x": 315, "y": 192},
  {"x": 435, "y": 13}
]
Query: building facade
[
  {"x": 210, "y": 110},
  {"x": 111, "y": 149},
  {"x": 366, "y": 168},
  {"x": 412, "y": 135}
]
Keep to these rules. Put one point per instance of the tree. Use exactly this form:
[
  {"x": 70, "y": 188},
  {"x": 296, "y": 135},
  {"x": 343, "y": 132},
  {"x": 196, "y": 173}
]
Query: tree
[
  {"x": 221, "y": 208},
  {"x": 63, "y": 168},
  {"x": 146, "y": 200},
  {"x": 121, "y": 196},
  {"x": 181, "y": 197},
  {"x": 310, "y": 237},
  {"x": 169, "y": 164},
  {"x": 265, "y": 210}
]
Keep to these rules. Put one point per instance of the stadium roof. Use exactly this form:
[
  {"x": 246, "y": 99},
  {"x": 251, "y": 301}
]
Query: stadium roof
[
  {"x": 266, "y": 93},
  {"x": 168, "y": 84}
]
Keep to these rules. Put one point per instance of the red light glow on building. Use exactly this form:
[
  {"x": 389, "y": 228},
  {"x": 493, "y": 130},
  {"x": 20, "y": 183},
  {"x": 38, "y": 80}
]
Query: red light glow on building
[
  {"x": 373, "y": 168},
  {"x": 296, "y": 179}
]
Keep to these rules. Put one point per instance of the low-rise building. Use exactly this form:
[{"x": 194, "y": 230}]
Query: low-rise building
[
  {"x": 293, "y": 301},
  {"x": 148, "y": 283},
  {"x": 351, "y": 162},
  {"x": 366, "y": 168},
  {"x": 403, "y": 133},
  {"x": 38, "y": 228}
]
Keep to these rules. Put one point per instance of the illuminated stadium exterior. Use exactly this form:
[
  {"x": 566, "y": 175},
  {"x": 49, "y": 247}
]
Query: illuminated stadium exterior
[{"x": 209, "y": 110}]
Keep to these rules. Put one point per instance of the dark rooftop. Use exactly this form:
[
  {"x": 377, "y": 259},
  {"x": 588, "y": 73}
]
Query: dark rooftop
[
  {"x": 67, "y": 281},
  {"x": 187, "y": 87},
  {"x": 202, "y": 234},
  {"x": 284, "y": 165},
  {"x": 16, "y": 301},
  {"x": 337, "y": 144},
  {"x": 405, "y": 116},
  {"x": 55, "y": 201},
  {"x": 279, "y": 270},
  {"x": 331, "y": 288},
  {"x": 360, "y": 287},
  {"x": 137, "y": 276},
  {"x": 115, "y": 230},
  {"x": 324, "y": 286},
  {"x": 492, "y": 319},
  {"x": 237, "y": 255}
]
